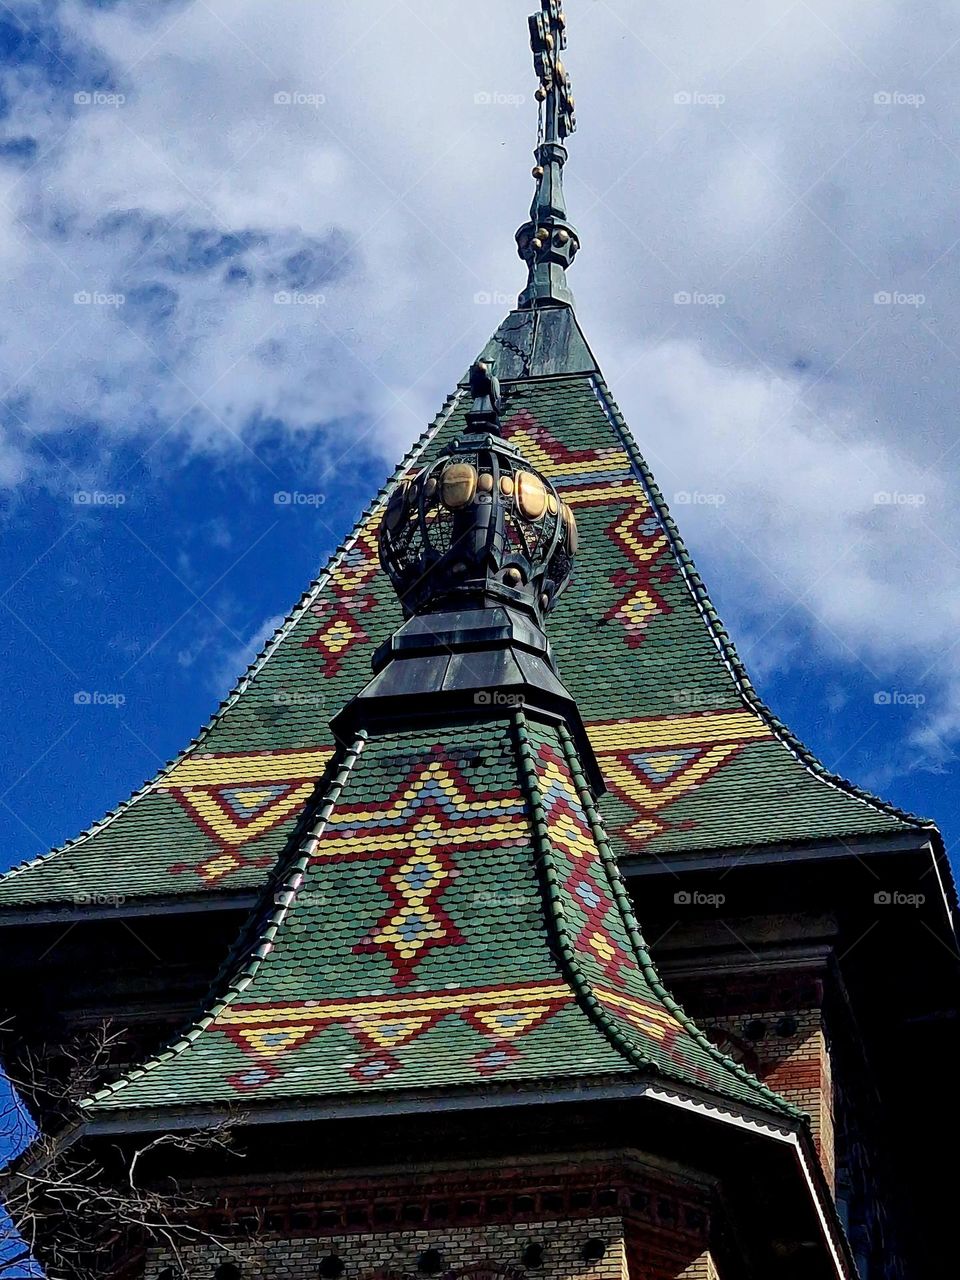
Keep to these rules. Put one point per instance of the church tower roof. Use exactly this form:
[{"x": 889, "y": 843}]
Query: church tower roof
[
  {"x": 454, "y": 920},
  {"x": 692, "y": 759},
  {"x": 454, "y": 917}
]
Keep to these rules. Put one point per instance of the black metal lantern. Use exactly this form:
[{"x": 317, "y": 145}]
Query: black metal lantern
[{"x": 479, "y": 526}]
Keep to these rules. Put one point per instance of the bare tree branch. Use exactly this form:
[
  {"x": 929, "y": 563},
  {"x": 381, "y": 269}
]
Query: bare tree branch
[{"x": 83, "y": 1208}]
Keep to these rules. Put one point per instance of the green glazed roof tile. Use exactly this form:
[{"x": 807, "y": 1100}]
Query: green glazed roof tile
[
  {"x": 692, "y": 758},
  {"x": 453, "y": 917}
]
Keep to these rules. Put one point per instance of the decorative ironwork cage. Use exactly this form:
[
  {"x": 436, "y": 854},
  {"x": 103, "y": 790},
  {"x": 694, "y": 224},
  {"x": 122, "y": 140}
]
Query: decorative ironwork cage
[{"x": 477, "y": 526}]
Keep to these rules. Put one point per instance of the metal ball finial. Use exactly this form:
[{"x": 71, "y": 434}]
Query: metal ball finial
[{"x": 478, "y": 527}]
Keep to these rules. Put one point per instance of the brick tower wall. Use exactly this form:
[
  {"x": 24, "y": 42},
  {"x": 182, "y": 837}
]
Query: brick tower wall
[
  {"x": 659, "y": 1230},
  {"x": 775, "y": 1026},
  {"x": 474, "y": 1253}
]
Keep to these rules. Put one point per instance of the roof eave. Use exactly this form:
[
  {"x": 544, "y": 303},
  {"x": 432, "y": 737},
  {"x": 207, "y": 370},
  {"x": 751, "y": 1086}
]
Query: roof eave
[
  {"x": 923, "y": 839},
  {"x": 632, "y": 1084},
  {"x": 790, "y": 1138},
  {"x": 166, "y": 905},
  {"x": 926, "y": 842}
]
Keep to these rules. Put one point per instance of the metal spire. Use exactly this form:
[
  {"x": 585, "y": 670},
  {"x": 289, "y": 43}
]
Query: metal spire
[{"x": 548, "y": 243}]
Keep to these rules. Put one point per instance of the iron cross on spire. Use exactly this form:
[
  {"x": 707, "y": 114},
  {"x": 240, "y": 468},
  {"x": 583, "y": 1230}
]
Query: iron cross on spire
[
  {"x": 548, "y": 39},
  {"x": 548, "y": 243}
]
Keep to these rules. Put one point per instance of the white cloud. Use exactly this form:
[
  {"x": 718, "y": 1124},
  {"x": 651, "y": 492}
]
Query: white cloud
[{"x": 806, "y": 508}]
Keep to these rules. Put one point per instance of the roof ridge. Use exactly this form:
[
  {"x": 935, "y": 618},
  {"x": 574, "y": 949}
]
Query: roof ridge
[
  {"x": 648, "y": 967},
  {"x": 721, "y": 637},
  {"x": 284, "y": 898},
  {"x": 263, "y": 657},
  {"x": 581, "y": 984}
]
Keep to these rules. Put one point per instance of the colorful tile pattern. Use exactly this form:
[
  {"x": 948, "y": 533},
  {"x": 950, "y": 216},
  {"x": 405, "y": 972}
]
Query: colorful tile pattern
[
  {"x": 432, "y": 812},
  {"x": 349, "y": 598},
  {"x": 384, "y": 1024},
  {"x": 327, "y": 1012},
  {"x": 636, "y": 640},
  {"x": 598, "y": 474},
  {"x": 657, "y": 761},
  {"x": 639, "y": 535},
  {"x": 600, "y": 927},
  {"x": 333, "y": 1006},
  {"x": 237, "y": 799}
]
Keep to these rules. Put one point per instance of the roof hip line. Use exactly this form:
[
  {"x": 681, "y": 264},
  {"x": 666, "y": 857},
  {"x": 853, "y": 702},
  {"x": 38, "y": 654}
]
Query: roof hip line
[
  {"x": 284, "y": 898},
  {"x": 718, "y": 632},
  {"x": 578, "y": 980}
]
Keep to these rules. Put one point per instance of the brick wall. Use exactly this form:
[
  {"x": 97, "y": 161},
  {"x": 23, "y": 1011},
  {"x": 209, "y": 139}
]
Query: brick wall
[
  {"x": 791, "y": 1055},
  {"x": 701, "y": 1268},
  {"x": 472, "y": 1253},
  {"x": 774, "y": 1024},
  {"x": 659, "y": 1232}
]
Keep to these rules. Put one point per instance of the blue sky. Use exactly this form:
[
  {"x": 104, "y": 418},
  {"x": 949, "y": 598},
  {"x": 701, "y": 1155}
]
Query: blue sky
[
  {"x": 247, "y": 249},
  {"x": 768, "y": 201}
]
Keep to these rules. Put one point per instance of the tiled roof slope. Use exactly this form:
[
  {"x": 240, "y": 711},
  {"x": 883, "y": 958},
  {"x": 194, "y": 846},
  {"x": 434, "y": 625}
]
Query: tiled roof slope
[
  {"x": 453, "y": 917},
  {"x": 692, "y": 759}
]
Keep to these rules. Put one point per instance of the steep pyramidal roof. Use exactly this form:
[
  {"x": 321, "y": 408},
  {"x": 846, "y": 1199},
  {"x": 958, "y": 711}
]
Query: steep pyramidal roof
[
  {"x": 691, "y": 758},
  {"x": 453, "y": 919},
  {"x": 452, "y": 916}
]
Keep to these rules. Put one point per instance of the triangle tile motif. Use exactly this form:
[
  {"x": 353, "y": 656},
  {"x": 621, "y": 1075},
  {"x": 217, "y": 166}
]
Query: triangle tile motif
[
  {"x": 270, "y": 1042},
  {"x": 233, "y": 815},
  {"x": 239, "y": 797},
  {"x": 382, "y": 1024},
  {"x": 247, "y": 803},
  {"x": 506, "y": 1022},
  {"x": 659, "y": 767},
  {"x": 384, "y": 1031},
  {"x": 657, "y": 761}
]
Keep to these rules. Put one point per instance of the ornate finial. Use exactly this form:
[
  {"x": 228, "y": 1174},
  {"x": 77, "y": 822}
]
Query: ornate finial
[
  {"x": 476, "y": 529},
  {"x": 479, "y": 547},
  {"x": 548, "y": 243}
]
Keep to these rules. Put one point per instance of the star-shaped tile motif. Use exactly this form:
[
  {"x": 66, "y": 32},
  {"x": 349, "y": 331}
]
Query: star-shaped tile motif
[{"x": 433, "y": 814}]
